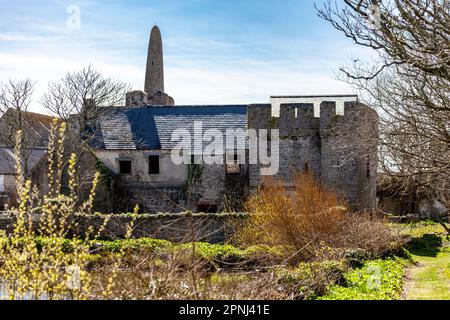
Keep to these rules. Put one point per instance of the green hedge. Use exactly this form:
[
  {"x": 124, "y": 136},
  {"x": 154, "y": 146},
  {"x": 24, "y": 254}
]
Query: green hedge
[{"x": 217, "y": 254}]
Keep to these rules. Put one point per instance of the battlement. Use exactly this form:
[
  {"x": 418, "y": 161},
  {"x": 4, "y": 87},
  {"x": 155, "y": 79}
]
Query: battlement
[
  {"x": 299, "y": 119},
  {"x": 316, "y": 101}
]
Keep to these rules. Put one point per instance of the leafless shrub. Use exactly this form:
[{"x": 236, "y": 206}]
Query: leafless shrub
[{"x": 309, "y": 219}]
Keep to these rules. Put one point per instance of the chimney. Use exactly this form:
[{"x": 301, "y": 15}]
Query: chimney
[{"x": 136, "y": 99}]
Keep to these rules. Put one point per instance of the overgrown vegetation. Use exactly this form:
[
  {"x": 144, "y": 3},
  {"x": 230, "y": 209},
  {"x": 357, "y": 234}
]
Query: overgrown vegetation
[
  {"x": 305, "y": 245},
  {"x": 408, "y": 83},
  {"x": 159, "y": 269},
  {"x": 376, "y": 280},
  {"x": 30, "y": 266},
  {"x": 309, "y": 219},
  {"x": 286, "y": 249}
]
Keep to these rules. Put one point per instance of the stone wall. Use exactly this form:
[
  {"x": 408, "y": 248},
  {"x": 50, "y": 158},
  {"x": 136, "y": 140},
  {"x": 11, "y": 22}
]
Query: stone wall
[
  {"x": 213, "y": 228},
  {"x": 153, "y": 199},
  {"x": 223, "y": 189},
  {"x": 340, "y": 150},
  {"x": 39, "y": 179},
  {"x": 168, "y": 191}
]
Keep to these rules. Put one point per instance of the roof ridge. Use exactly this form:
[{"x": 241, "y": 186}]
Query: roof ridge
[
  {"x": 179, "y": 106},
  {"x": 31, "y": 113}
]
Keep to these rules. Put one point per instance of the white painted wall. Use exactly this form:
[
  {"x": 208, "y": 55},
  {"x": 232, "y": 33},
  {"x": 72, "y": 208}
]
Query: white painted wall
[{"x": 169, "y": 172}]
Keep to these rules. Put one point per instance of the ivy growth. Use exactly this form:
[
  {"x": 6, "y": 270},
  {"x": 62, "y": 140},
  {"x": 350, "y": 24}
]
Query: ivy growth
[
  {"x": 194, "y": 176},
  {"x": 105, "y": 174}
]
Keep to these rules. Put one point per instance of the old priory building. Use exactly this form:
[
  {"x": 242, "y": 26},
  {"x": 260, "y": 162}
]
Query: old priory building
[{"x": 332, "y": 136}]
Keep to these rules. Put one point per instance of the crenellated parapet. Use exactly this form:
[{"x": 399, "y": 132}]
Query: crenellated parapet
[{"x": 316, "y": 101}]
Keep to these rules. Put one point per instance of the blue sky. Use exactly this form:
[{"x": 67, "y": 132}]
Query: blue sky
[{"x": 216, "y": 51}]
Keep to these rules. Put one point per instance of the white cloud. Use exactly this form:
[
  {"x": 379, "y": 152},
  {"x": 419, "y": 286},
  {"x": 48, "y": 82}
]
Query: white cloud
[
  {"x": 189, "y": 78},
  {"x": 194, "y": 86},
  {"x": 188, "y": 85}
]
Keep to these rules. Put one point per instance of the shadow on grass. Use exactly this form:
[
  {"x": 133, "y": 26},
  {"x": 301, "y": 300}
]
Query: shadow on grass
[{"x": 428, "y": 245}]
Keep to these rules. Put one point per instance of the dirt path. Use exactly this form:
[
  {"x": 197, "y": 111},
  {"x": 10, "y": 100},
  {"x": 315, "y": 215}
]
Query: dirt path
[{"x": 430, "y": 278}]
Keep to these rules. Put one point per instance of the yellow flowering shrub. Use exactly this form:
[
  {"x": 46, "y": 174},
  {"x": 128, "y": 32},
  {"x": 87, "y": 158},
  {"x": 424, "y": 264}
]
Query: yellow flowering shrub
[{"x": 49, "y": 271}]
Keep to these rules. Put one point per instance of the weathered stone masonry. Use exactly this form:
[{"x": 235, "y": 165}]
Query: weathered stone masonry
[{"x": 339, "y": 149}]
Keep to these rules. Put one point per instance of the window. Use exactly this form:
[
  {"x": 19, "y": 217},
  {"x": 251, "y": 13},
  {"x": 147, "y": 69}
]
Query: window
[
  {"x": 233, "y": 157},
  {"x": 2, "y": 183},
  {"x": 125, "y": 166},
  {"x": 153, "y": 164},
  {"x": 233, "y": 163},
  {"x": 3, "y": 202},
  {"x": 368, "y": 167}
]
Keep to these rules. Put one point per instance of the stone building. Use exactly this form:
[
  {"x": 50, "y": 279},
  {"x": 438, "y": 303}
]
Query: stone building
[
  {"x": 333, "y": 136},
  {"x": 35, "y": 132}
]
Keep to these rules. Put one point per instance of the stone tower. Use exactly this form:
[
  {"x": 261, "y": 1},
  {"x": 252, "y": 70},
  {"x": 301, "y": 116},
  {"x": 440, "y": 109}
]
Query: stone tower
[
  {"x": 154, "y": 72},
  {"x": 339, "y": 149}
]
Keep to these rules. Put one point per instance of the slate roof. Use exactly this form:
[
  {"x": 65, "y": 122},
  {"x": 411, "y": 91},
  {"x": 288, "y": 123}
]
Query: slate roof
[
  {"x": 151, "y": 128},
  {"x": 7, "y": 161},
  {"x": 36, "y": 129}
]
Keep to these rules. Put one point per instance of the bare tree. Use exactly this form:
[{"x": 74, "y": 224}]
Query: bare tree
[
  {"x": 15, "y": 99},
  {"x": 408, "y": 84},
  {"x": 415, "y": 124},
  {"x": 79, "y": 98},
  {"x": 403, "y": 32}
]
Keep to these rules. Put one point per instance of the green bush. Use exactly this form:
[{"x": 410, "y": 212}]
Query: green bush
[
  {"x": 68, "y": 245},
  {"x": 356, "y": 257},
  {"x": 216, "y": 254},
  {"x": 376, "y": 280}
]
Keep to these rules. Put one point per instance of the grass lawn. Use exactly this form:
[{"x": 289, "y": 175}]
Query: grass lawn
[{"x": 429, "y": 278}]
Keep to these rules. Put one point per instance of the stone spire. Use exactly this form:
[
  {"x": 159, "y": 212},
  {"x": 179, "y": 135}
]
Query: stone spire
[
  {"x": 154, "y": 78},
  {"x": 154, "y": 73}
]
